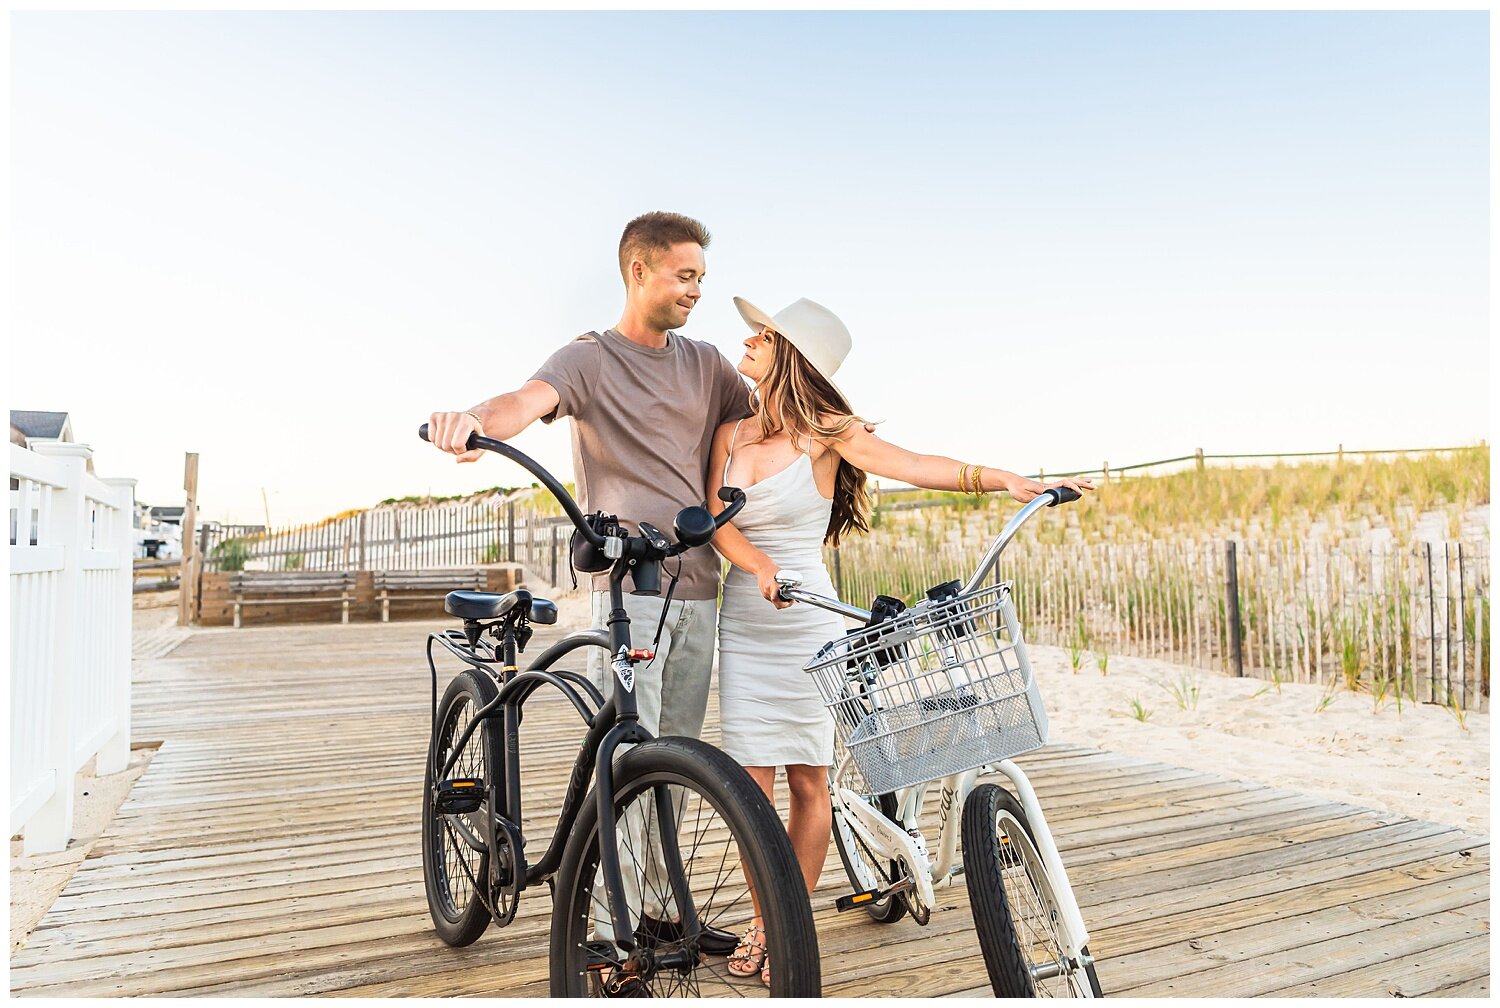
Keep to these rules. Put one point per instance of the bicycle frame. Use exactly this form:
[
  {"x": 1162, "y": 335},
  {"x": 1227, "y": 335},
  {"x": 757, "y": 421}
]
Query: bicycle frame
[
  {"x": 613, "y": 723},
  {"x": 902, "y": 840}
]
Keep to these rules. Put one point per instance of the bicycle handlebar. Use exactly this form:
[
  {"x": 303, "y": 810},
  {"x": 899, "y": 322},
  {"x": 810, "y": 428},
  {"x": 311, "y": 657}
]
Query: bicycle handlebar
[
  {"x": 733, "y": 496},
  {"x": 1051, "y": 497}
]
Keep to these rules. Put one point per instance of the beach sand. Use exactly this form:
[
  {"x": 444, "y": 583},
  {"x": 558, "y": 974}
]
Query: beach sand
[{"x": 1419, "y": 762}]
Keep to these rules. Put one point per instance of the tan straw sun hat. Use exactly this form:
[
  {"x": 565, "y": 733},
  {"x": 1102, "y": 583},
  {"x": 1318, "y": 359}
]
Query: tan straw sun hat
[{"x": 808, "y": 326}]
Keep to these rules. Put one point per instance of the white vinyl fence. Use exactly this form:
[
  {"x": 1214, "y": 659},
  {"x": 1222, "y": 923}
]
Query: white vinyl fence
[{"x": 70, "y": 614}]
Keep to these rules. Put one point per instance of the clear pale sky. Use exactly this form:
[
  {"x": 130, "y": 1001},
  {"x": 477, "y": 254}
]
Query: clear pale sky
[{"x": 282, "y": 240}]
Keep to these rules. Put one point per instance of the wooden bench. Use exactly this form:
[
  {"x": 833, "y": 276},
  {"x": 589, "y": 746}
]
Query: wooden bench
[
  {"x": 425, "y": 585},
  {"x": 292, "y": 588}
]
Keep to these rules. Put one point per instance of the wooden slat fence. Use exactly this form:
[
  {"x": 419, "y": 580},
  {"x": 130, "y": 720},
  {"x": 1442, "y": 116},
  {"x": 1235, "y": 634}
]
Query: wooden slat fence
[
  {"x": 1393, "y": 619},
  {"x": 1409, "y": 618},
  {"x": 445, "y": 534}
]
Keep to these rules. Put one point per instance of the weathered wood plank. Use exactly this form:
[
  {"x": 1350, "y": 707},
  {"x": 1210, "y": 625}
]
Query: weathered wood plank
[
  {"x": 1300, "y": 967},
  {"x": 273, "y": 843},
  {"x": 1420, "y": 974}
]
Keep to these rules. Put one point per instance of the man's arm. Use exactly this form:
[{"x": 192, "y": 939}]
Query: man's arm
[{"x": 501, "y": 418}]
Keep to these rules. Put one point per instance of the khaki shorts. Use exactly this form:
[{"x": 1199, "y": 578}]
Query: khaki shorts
[{"x": 671, "y": 690}]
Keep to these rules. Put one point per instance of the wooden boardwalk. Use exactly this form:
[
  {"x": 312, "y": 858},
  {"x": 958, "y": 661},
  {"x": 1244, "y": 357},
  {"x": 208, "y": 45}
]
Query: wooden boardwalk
[{"x": 272, "y": 848}]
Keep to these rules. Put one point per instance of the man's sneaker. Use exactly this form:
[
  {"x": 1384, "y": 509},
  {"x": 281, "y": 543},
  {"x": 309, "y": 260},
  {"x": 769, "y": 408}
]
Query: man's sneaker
[
  {"x": 603, "y": 961},
  {"x": 628, "y": 985},
  {"x": 711, "y": 940}
]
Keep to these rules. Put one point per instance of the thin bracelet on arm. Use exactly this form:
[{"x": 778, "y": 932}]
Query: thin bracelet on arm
[
  {"x": 480, "y": 422},
  {"x": 979, "y": 490}
]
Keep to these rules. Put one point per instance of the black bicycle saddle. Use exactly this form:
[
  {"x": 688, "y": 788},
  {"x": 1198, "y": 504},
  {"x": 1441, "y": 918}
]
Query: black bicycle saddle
[{"x": 477, "y": 605}]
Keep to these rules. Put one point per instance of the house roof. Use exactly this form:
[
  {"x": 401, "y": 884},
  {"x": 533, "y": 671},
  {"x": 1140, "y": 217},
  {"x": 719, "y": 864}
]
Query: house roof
[{"x": 38, "y": 423}]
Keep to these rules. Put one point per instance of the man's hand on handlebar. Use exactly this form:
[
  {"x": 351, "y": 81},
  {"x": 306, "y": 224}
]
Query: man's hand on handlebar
[{"x": 450, "y": 433}]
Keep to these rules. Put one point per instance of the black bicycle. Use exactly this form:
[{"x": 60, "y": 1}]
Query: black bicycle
[{"x": 672, "y": 852}]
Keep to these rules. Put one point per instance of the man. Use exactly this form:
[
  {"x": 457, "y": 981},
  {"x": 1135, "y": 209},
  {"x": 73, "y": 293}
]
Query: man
[{"x": 645, "y": 402}]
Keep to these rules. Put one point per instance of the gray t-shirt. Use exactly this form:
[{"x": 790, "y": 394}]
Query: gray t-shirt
[{"x": 643, "y": 421}]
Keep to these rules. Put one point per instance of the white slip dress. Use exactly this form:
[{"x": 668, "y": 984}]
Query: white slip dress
[{"x": 769, "y": 710}]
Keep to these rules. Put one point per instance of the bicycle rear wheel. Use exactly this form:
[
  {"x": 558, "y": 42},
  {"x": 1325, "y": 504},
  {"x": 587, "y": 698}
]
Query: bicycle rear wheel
[
  {"x": 1021, "y": 931},
  {"x": 864, "y": 869},
  {"x": 454, "y": 869},
  {"x": 729, "y": 843}
]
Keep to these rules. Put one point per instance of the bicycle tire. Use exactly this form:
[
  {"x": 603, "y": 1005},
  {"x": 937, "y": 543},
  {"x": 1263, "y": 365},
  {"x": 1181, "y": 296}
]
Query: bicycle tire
[
  {"x": 459, "y": 914},
  {"x": 892, "y": 908},
  {"x": 748, "y": 826},
  {"x": 998, "y": 900}
]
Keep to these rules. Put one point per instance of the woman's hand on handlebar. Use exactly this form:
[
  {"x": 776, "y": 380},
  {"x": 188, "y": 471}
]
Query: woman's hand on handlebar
[
  {"x": 450, "y": 432},
  {"x": 765, "y": 578},
  {"x": 1024, "y": 490}
]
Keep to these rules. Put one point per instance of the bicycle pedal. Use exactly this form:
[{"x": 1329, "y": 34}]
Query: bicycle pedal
[
  {"x": 602, "y": 955},
  {"x": 460, "y": 795},
  {"x": 856, "y": 900}
]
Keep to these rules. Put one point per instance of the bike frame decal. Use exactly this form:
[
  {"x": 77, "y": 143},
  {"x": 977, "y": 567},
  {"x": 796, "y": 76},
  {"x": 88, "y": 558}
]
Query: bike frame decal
[{"x": 624, "y": 669}]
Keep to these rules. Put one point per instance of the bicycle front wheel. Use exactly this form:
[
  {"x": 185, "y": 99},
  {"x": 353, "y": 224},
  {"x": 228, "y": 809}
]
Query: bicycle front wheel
[
  {"x": 1021, "y": 930},
  {"x": 700, "y": 848}
]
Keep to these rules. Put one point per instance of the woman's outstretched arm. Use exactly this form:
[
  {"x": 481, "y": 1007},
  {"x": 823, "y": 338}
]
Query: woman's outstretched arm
[
  {"x": 862, "y": 448},
  {"x": 730, "y": 541}
]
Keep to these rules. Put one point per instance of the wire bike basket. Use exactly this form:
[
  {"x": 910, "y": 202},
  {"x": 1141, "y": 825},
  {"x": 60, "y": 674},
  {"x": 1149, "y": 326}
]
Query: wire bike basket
[{"x": 941, "y": 688}]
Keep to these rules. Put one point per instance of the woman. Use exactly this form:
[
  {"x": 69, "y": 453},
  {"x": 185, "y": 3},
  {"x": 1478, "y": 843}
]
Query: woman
[{"x": 802, "y": 461}]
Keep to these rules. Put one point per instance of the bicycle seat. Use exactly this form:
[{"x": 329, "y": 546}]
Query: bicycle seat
[{"x": 477, "y": 605}]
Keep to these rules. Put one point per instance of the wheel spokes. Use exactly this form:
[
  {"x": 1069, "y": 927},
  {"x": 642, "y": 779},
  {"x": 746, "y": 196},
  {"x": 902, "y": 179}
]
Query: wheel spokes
[
  {"x": 460, "y": 860},
  {"x": 1033, "y": 908},
  {"x": 717, "y": 890}
]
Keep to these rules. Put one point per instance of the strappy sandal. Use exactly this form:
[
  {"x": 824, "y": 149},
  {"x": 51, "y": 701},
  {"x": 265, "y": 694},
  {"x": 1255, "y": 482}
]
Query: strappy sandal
[
  {"x": 765, "y": 971},
  {"x": 747, "y": 963}
]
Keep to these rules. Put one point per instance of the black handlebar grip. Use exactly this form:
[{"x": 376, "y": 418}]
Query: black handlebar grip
[
  {"x": 735, "y": 498},
  {"x": 1063, "y": 495},
  {"x": 426, "y": 435}
]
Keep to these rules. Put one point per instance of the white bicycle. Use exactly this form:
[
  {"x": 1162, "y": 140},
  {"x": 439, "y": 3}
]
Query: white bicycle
[{"x": 941, "y": 693}]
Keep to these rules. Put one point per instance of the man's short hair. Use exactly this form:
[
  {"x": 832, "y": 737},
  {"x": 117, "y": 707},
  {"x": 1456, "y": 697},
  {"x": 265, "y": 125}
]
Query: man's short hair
[{"x": 656, "y": 232}]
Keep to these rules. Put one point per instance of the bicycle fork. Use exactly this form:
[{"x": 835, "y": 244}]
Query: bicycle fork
[{"x": 1062, "y": 889}]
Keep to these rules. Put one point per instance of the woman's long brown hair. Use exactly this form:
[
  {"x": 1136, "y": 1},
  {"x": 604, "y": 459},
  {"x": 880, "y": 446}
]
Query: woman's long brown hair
[{"x": 800, "y": 397}]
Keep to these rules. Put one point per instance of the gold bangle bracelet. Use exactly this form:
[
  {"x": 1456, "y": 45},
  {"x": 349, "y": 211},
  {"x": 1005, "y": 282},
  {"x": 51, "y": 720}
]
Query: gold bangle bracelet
[
  {"x": 979, "y": 490},
  {"x": 471, "y": 413},
  {"x": 962, "y": 470}
]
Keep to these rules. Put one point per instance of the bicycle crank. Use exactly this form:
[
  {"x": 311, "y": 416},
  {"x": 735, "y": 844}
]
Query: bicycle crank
[{"x": 507, "y": 871}]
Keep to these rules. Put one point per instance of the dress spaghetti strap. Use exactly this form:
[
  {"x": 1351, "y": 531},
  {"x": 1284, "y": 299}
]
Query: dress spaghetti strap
[{"x": 724, "y": 480}]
